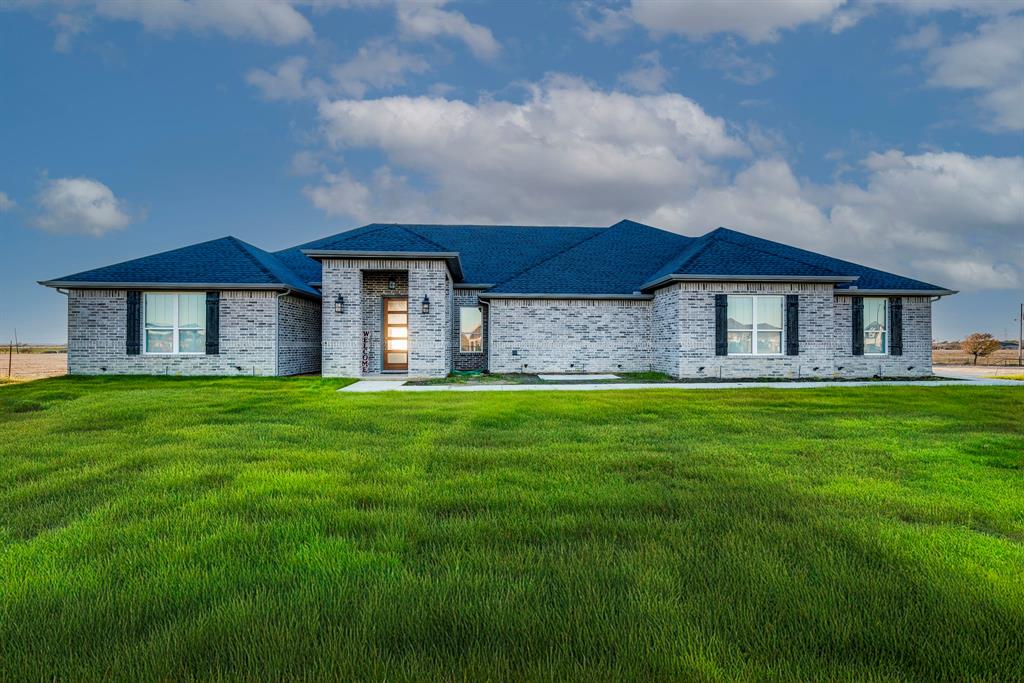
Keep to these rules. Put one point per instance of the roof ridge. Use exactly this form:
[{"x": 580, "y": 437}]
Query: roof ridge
[
  {"x": 556, "y": 254},
  {"x": 416, "y": 234},
  {"x": 243, "y": 246},
  {"x": 696, "y": 249},
  {"x": 764, "y": 251}
]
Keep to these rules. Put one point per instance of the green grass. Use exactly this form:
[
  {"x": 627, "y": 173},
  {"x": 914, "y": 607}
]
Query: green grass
[
  {"x": 1019, "y": 378},
  {"x": 162, "y": 528}
]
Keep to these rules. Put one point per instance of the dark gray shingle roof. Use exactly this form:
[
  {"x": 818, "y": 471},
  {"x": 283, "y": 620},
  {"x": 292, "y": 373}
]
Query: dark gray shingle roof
[{"x": 227, "y": 260}]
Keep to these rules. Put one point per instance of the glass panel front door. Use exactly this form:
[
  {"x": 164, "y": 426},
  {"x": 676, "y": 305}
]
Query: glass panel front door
[{"x": 396, "y": 333}]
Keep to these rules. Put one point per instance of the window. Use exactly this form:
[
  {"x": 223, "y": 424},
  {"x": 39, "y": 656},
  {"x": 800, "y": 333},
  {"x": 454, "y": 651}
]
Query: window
[
  {"x": 876, "y": 325},
  {"x": 755, "y": 325},
  {"x": 175, "y": 323},
  {"x": 471, "y": 329}
]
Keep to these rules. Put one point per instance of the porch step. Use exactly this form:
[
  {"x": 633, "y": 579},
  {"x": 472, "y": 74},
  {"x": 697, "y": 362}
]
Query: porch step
[{"x": 366, "y": 385}]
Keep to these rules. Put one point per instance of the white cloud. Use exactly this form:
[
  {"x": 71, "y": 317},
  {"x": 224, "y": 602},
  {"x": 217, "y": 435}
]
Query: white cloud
[
  {"x": 376, "y": 65},
  {"x": 989, "y": 61},
  {"x": 286, "y": 82},
  {"x": 271, "y": 21},
  {"x": 991, "y": 56},
  {"x": 1007, "y": 106},
  {"x": 570, "y": 153},
  {"x": 6, "y": 203},
  {"x": 755, "y": 21},
  {"x": 600, "y": 22},
  {"x": 928, "y": 36},
  {"x": 949, "y": 217},
  {"x": 647, "y": 75},
  {"x": 742, "y": 70},
  {"x": 80, "y": 206},
  {"x": 978, "y": 7},
  {"x": 340, "y": 195},
  {"x": 567, "y": 149},
  {"x": 424, "y": 19}
]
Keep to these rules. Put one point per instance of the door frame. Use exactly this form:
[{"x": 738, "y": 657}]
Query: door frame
[{"x": 384, "y": 334}]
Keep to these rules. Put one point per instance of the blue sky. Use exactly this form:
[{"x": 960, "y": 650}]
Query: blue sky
[{"x": 891, "y": 134}]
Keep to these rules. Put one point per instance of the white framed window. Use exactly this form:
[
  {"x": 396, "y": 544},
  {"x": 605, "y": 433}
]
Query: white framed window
[
  {"x": 471, "y": 329},
  {"x": 174, "y": 322},
  {"x": 876, "y": 326},
  {"x": 755, "y": 325}
]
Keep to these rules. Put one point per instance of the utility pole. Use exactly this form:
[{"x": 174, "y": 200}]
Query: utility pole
[{"x": 10, "y": 351}]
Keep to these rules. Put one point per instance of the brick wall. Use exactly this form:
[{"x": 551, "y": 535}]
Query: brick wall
[
  {"x": 429, "y": 343},
  {"x": 675, "y": 334},
  {"x": 917, "y": 342},
  {"x": 569, "y": 335},
  {"x": 97, "y": 330},
  {"x": 359, "y": 281},
  {"x": 299, "y": 349},
  {"x": 690, "y": 308}
]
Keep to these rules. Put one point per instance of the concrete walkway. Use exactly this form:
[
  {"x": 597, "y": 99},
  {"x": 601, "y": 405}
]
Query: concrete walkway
[
  {"x": 376, "y": 385},
  {"x": 976, "y": 371}
]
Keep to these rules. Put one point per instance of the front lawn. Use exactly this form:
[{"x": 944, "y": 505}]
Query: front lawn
[{"x": 162, "y": 528}]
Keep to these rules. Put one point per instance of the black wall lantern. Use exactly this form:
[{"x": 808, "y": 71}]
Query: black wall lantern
[
  {"x": 339, "y": 304},
  {"x": 426, "y": 304}
]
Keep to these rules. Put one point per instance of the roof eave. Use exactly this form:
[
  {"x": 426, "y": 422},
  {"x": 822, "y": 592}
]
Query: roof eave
[
  {"x": 563, "y": 295},
  {"x": 78, "y": 284},
  {"x": 450, "y": 257},
  {"x": 854, "y": 291},
  {"x": 684, "y": 277}
]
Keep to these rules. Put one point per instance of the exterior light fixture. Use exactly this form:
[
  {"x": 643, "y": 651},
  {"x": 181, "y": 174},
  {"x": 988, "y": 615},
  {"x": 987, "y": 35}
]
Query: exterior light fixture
[
  {"x": 391, "y": 283},
  {"x": 426, "y": 304},
  {"x": 339, "y": 304}
]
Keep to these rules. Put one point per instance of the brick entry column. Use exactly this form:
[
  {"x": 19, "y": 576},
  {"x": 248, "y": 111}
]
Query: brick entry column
[
  {"x": 342, "y": 332},
  {"x": 429, "y": 338}
]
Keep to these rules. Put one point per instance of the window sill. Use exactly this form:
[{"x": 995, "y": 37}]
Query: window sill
[{"x": 758, "y": 355}]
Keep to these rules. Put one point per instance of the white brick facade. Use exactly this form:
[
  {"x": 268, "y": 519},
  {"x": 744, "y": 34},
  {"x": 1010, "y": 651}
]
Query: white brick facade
[
  {"x": 569, "y": 335},
  {"x": 917, "y": 342},
  {"x": 299, "y": 336},
  {"x": 264, "y": 333},
  {"x": 249, "y": 345},
  {"x": 686, "y": 316},
  {"x": 359, "y": 282}
]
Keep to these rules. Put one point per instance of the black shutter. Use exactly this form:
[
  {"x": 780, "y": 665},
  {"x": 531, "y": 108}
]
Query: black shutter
[
  {"x": 858, "y": 325},
  {"x": 212, "y": 323},
  {"x": 792, "y": 325},
  {"x": 721, "y": 324},
  {"x": 896, "y": 326},
  {"x": 133, "y": 323}
]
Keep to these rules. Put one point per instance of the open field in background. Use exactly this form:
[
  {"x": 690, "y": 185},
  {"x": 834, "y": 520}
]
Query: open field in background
[
  {"x": 957, "y": 357},
  {"x": 26, "y": 366},
  {"x": 163, "y": 528}
]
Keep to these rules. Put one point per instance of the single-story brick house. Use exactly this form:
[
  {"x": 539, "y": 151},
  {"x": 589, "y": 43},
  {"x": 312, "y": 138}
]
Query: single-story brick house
[{"x": 424, "y": 300}]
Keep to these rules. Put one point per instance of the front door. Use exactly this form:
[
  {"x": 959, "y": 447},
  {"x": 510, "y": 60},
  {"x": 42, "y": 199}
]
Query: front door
[{"x": 396, "y": 333}]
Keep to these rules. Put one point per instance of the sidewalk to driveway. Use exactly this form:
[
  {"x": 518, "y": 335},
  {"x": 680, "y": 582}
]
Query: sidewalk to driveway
[
  {"x": 976, "y": 371},
  {"x": 374, "y": 386}
]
